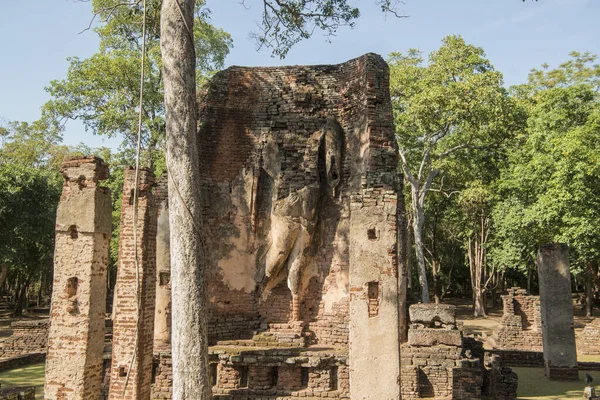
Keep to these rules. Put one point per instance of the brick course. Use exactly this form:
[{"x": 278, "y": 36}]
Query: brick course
[
  {"x": 76, "y": 335},
  {"x": 521, "y": 326},
  {"x": 133, "y": 328}
]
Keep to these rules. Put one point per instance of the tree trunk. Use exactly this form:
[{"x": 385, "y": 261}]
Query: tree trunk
[
  {"x": 418, "y": 221},
  {"x": 589, "y": 290},
  {"x": 529, "y": 279},
  {"x": 402, "y": 254},
  {"x": 409, "y": 254},
  {"x": 475, "y": 268},
  {"x": 3, "y": 274},
  {"x": 189, "y": 330},
  {"x": 20, "y": 300},
  {"x": 435, "y": 269}
]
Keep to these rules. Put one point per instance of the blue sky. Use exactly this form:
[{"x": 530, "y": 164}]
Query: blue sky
[{"x": 36, "y": 37}]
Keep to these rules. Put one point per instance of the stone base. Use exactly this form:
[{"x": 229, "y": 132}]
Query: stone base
[
  {"x": 433, "y": 337},
  {"x": 562, "y": 373}
]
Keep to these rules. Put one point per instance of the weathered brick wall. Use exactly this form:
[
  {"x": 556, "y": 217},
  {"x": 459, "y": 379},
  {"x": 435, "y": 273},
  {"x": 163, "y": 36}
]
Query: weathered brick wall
[
  {"x": 133, "y": 327},
  {"x": 76, "y": 334},
  {"x": 437, "y": 362},
  {"x": 283, "y": 374},
  {"x": 587, "y": 338},
  {"x": 500, "y": 381},
  {"x": 162, "y": 376},
  {"x": 520, "y": 327},
  {"x": 27, "y": 337},
  {"x": 259, "y": 138},
  {"x": 8, "y": 364}
]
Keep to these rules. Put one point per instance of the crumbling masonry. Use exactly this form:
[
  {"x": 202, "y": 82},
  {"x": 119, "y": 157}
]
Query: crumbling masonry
[
  {"x": 133, "y": 326},
  {"x": 299, "y": 186},
  {"x": 521, "y": 324},
  {"x": 76, "y": 337}
]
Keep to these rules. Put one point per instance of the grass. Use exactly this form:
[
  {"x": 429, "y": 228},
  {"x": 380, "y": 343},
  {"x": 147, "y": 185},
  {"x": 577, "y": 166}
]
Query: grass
[
  {"x": 534, "y": 385},
  {"x": 32, "y": 375},
  {"x": 588, "y": 357}
]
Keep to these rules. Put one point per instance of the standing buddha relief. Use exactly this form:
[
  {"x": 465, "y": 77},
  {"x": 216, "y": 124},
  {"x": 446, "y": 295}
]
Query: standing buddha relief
[{"x": 292, "y": 239}]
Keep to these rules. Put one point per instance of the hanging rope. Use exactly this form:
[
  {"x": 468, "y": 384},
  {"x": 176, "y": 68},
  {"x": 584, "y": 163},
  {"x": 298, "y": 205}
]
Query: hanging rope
[{"x": 136, "y": 200}]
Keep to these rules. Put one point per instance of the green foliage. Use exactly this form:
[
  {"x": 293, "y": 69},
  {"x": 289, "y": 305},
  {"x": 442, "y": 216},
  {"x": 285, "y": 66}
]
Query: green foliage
[
  {"x": 551, "y": 189},
  {"x": 285, "y": 23},
  {"x": 30, "y": 186},
  {"x": 103, "y": 91},
  {"x": 452, "y": 115},
  {"x": 455, "y": 102}
]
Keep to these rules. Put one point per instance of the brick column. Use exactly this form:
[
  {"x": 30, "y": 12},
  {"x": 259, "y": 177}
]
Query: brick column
[
  {"x": 162, "y": 314},
  {"x": 372, "y": 238},
  {"x": 556, "y": 304},
  {"x": 129, "y": 323},
  {"x": 76, "y": 335}
]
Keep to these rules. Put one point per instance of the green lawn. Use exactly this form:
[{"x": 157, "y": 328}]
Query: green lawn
[
  {"x": 32, "y": 375},
  {"x": 534, "y": 385}
]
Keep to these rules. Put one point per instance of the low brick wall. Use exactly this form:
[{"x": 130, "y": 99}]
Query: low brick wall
[
  {"x": 21, "y": 361},
  {"x": 521, "y": 325},
  {"x": 18, "y": 393},
  {"x": 162, "y": 376},
  {"x": 28, "y": 337},
  {"x": 520, "y": 358},
  {"x": 587, "y": 338}
]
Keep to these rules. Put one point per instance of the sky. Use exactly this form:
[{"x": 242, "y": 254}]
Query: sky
[{"x": 37, "y": 36}]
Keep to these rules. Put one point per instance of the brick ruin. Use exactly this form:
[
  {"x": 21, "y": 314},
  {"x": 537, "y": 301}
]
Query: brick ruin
[
  {"x": 27, "y": 337},
  {"x": 587, "y": 338},
  {"x": 133, "y": 322},
  {"x": 438, "y": 362},
  {"x": 299, "y": 189},
  {"x": 76, "y": 336},
  {"x": 521, "y": 324},
  {"x": 300, "y": 186}
]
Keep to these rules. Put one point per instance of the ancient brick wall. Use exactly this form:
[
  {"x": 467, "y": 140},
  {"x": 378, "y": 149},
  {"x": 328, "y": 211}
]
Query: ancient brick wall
[
  {"x": 434, "y": 361},
  {"x": 76, "y": 334},
  {"x": 27, "y": 337},
  {"x": 300, "y": 167},
  {"x": 587, "y": 338},
  {"x": 133, "y": 325},
  {"x": 162, "y": 376},
  {"x": 499, "y": 380},
  {"x": 521, "y": 326}
]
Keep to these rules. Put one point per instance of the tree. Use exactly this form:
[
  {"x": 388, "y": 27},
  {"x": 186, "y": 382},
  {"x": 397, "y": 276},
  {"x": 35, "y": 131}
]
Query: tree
[
  {"x": 30, "y": 186},
  {"x": 552, "y": 184},
  {"x": 454, "y": 103},
  {"x": 549, "y": 188},
  {"x": 103, "y": 91}
]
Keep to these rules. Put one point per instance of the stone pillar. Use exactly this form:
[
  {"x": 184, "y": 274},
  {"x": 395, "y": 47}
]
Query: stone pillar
[
  {"x": 558, "y": 335},
  {"x": 133, "y": 328},
  {"x": 76, "y": 335},
  {"x": 374, "y": 333},
  {"x": 162, "y": 314}
]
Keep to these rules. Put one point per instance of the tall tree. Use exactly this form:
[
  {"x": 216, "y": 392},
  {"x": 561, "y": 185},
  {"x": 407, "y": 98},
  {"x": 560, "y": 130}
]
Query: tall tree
[
  {"x": 454, "y": 103},
  {"x": 103, "y": 91},
  {"x": 552, "y": 184},
  {"x": 550, "y": 187},
  {"x": 30, "y": 186}
]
